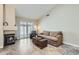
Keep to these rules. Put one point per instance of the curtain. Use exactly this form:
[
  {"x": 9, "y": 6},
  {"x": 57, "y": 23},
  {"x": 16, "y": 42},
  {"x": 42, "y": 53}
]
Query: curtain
[{"x": 24, "y": 29}]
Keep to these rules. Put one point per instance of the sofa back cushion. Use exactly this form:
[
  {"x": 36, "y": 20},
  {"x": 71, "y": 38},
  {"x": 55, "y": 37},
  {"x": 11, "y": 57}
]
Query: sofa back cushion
[
  {"x": 54, "y": 34},
  {"x": 47, "y": 33}
]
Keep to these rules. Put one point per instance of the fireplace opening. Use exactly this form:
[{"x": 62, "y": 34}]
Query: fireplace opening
[{"x": 9, "y": 39}]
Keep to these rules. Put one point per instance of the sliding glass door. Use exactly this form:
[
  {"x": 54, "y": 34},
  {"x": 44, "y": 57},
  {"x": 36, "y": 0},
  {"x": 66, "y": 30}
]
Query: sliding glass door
[
  {"x": 25, "y": 29},
  {"x": 23, "y": 32}
]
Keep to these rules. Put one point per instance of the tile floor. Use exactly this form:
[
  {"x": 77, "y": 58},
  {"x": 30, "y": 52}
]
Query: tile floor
[{"x": 26, "y": 47}]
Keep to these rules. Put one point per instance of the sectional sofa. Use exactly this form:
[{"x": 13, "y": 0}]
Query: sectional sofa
[{"x": 54, "y": 38}]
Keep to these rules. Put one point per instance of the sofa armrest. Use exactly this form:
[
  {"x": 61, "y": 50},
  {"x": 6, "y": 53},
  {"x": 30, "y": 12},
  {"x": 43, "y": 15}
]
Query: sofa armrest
[{"x": 60, "y": 38}]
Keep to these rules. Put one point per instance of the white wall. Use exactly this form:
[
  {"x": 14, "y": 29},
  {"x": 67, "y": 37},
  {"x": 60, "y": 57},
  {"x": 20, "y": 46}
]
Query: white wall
[
  {"x": 64, "y": 18},
  {"x": 1, "y": 26}
]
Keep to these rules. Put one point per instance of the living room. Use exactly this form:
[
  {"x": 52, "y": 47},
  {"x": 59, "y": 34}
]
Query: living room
[{"x": 52, "y": 28}]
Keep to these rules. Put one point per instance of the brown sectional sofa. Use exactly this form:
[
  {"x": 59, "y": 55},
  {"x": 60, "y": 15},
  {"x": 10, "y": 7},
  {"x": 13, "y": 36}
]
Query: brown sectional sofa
[{"x": 54, "y": 38}]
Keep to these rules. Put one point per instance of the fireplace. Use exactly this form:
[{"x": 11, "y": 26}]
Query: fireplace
[{"x": 9, "y": 39}]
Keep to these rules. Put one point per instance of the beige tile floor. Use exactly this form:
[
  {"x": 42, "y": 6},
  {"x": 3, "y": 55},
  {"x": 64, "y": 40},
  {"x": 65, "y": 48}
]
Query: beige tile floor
[{"x": 26, "y": 47}]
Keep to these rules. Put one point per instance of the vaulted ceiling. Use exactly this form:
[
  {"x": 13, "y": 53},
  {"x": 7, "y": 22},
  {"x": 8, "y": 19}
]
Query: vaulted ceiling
[{"x": 33, "y": 11}]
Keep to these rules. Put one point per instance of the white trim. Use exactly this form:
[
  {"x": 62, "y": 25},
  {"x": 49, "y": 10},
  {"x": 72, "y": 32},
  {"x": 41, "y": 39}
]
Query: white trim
[{"x": 71, "y": 44}]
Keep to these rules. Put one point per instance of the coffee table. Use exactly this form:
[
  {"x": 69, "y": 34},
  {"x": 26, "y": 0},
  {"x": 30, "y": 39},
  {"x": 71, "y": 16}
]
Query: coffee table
[{"x": 41, "y": 43}]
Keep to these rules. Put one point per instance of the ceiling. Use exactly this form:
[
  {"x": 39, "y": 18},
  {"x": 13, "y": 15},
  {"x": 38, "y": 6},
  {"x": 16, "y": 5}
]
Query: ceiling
[{"x": 33, "y": 11}]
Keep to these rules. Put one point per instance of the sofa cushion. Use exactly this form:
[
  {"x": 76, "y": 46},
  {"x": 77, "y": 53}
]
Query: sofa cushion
[
  {"x": 47, "y": 33},
  {"x": 55, "y": 33}
]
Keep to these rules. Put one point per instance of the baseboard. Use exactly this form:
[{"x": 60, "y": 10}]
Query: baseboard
[{"x": 71, "y": 44}]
